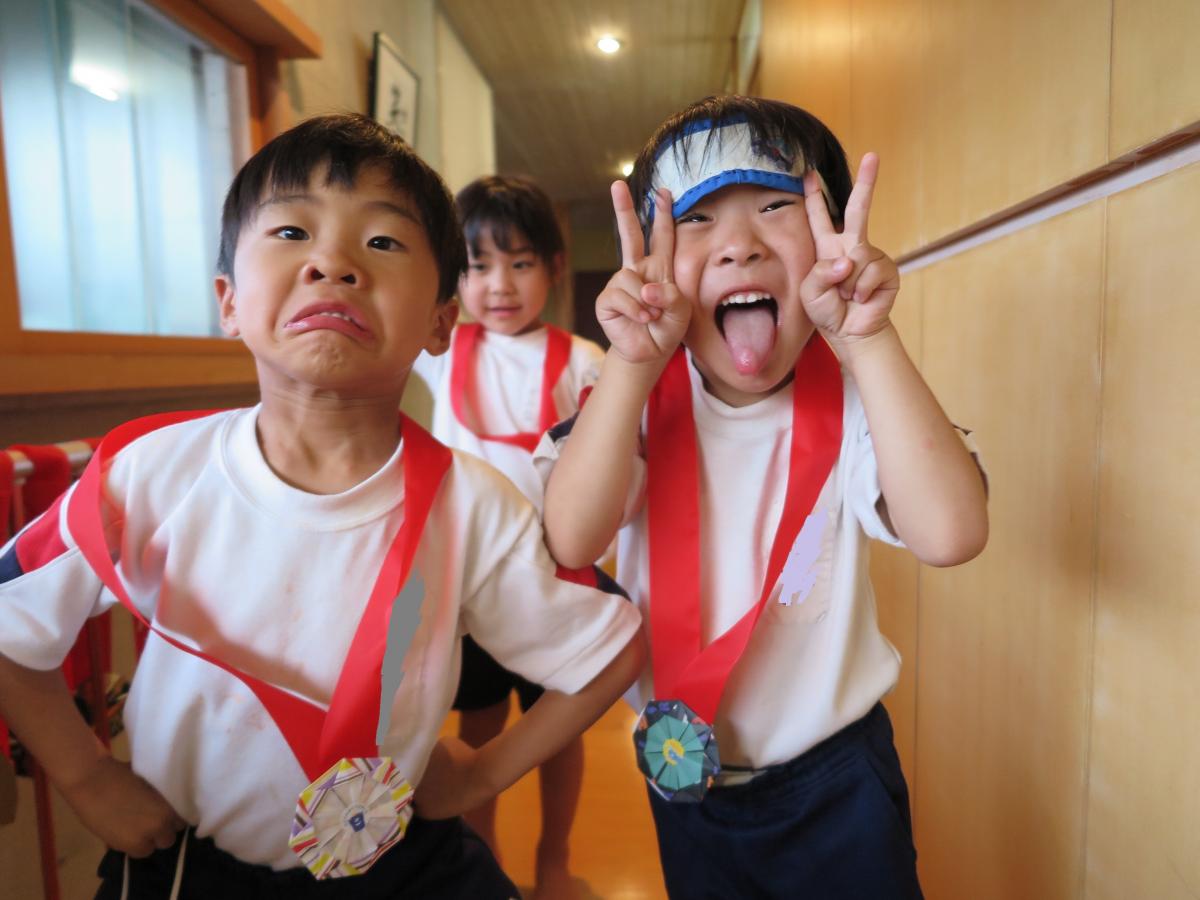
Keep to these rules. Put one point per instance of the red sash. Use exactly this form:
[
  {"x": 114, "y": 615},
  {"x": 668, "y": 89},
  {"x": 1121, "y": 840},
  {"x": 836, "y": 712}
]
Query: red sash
[
  {"x": 464, "y": 389},
  {"x": 318, "y": 737},
  {"x": 683, "y": 669}
]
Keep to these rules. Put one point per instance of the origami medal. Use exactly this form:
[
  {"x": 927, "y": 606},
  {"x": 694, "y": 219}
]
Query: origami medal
[
  {"x": 676, "y": 751},
  {"x": 350, "y": 816}
]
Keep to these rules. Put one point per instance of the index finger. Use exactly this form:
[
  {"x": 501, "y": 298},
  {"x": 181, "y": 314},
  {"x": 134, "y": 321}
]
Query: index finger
[
  {"x": 818, "y": 212},
  {"x": 858, "y": 207},
  {"x": 662, "y": 236},
  {"x": 628, "y": 227}
]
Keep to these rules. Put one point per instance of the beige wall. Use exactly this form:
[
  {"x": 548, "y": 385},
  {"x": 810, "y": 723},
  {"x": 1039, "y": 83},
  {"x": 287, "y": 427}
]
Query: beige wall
[
  {"x": 1048, "y": 716},
  {"x": 455, "y": 131},
  {"x": 467, "y": 120}
]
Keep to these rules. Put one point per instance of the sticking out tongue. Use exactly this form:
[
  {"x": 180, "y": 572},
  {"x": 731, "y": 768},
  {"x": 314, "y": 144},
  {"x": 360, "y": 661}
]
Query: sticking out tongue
[{"x": 750, "y": 335}]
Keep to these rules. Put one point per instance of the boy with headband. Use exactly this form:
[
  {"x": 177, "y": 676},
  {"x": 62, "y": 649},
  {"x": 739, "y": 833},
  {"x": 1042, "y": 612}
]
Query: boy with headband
[
  {"x": 748, "y": 468},
  {"x": 307, "y": 569}
]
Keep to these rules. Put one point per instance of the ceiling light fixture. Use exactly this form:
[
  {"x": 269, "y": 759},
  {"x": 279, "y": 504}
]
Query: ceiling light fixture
[
  {"x": 608, "y": 44},
  {"x": 626, "y": 169}
]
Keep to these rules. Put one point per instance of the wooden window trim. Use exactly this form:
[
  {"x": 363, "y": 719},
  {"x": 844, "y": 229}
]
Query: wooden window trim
[{"x": 258, "y": 34}]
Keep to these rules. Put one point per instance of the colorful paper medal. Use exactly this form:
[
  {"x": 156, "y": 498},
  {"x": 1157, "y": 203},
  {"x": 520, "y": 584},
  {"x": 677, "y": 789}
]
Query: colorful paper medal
[
  {"x": 674, "y": 742},
  {"x": 676, "y": 751},
  {"x": 350, "y": 816}
]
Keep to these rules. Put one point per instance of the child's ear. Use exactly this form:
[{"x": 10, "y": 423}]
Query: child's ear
[
  {"x": 557, "y": 266},
  {"x": 445, "y": 315},
  {"x": 226, "y": 303}
]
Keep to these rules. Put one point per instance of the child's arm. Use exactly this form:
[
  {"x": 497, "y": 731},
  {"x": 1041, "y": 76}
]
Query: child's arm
[
  {"x": 644, "y": 317},
  {"x": 459, "y": 778},
  {"x": 113, "y": 803},
  {"x": 934, "y": 494}
]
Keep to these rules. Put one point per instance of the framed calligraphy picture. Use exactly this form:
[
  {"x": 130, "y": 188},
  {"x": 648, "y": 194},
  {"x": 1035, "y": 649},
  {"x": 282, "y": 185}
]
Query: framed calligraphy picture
[{"x": 394, "y": 90}]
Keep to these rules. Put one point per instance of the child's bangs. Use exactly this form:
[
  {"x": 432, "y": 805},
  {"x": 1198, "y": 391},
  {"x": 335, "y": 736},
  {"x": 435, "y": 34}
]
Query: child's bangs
[{"x": 508, "y": 236}]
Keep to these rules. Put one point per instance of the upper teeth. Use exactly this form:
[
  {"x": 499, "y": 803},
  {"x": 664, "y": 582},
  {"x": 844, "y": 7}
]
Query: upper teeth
[
  {"x": 337, "y": 315},
  {"x": 747, "y": 297}
]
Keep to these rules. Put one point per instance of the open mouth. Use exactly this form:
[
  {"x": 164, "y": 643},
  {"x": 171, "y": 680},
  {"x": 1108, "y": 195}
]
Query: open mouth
[
  {"x": 748, "y": 321},
  {"x": 747, "y": 301}
]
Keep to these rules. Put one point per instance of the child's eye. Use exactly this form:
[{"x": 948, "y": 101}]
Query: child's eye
[
  {"x": 291, "y": 233},
  {"x": 691, "y": 217},
  {"x": 778, "y": 204},
  {"x": 477, "y": 267},
  {"x": 383, "y": 242},
  {"x": 523, "y": 264}
]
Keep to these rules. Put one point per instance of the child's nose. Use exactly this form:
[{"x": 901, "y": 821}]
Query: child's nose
[
  {"x": 330, "y": 270},
  {"x": 740, "y": 249},
  {"x": 736, "y": 242},
  {"x": 502, "y": 282}
]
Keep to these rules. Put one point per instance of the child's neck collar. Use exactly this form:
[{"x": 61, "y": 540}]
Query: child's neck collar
[{"x": 327, "y": 445}]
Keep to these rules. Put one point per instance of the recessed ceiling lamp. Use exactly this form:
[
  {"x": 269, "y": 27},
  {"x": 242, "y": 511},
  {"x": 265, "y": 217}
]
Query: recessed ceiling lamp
[
  {"x": 626, "y": 169},
  {"x": 608, "y": 44}
]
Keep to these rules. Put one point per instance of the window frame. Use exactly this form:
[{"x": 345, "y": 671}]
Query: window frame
[{"x": 56, "y": 361}]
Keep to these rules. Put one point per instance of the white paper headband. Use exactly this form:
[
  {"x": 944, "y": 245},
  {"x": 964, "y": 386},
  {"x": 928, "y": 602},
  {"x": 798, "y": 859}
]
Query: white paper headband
[{"x": 704, "y": 158}]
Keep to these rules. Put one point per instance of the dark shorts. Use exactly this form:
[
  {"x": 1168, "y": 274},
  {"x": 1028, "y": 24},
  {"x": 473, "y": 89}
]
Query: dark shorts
[
  {"x": 484, "y": 682},
  {"x": 831, "y": 824},
  {"x": 442, "y": 858}
]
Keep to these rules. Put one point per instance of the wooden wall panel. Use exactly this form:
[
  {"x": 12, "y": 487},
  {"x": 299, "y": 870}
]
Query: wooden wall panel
[
  {"x": 805, "y": 58},
  {"x": 1155, "y": 70},
  {"x": 895, "y": 573},
  {"x": 1144, "y": 792},
  {"x": 887, "y": 114},
  {"x": 1018, "y": 103},
  {"x": 1011, "y": 348}
]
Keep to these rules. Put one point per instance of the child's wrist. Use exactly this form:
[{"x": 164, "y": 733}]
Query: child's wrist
[
  {"x": 75, "y": 774},
  {"x": 640, "y": 375},
  {"x": 852, "y": 350}
]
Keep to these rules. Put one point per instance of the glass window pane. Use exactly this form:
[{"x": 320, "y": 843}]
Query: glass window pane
[
  {"x": 101, "y": 181},
  {"x": 121, "y": 134},
  {"x": 34, "y": 164}
]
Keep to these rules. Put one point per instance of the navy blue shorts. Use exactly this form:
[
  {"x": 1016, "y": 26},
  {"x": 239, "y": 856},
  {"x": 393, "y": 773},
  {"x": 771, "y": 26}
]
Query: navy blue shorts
[
  {"x": 831, "y": 824},
  {"x": 441, "y": 858},
  {"x": 483, "y": 682}
]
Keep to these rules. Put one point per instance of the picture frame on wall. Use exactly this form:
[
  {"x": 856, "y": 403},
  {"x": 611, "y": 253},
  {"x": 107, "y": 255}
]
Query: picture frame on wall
[{"x": 395, "y": 90}]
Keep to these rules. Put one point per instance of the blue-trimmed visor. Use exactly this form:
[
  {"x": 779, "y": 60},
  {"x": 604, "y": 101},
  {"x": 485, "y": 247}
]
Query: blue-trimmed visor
[{"x": 706, "y": 158}]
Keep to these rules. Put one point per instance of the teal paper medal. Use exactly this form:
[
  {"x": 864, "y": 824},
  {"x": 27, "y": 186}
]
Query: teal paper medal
[
  {"x": 673, "y": 739},
  {"x": 676, "y": 751}
]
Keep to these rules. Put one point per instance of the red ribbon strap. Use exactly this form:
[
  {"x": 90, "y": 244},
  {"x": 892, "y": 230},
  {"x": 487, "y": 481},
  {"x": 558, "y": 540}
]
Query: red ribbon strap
[
  {"x": 682, "y": 668},
  {"x": 464, "y": 386},
  {"x": 317, "y": 737}
]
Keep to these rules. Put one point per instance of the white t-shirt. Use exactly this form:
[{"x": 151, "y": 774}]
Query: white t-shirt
[
  {"x": 273, "y": 580},
  {"x": 816, "y": 660},
  {"x": 508, "y": 377}
]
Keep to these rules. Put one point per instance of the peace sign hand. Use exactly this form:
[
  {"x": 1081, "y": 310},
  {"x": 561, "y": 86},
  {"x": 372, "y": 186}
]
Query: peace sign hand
[
  {"x": 640, "y": 309},
  {"x": 851, "y": 288}
]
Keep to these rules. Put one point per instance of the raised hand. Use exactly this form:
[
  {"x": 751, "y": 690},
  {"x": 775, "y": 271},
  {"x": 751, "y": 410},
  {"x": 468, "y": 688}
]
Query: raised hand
[
  {"x": 850, "y": 291},
  {"x": 123, "y": 809},
  {"x": 640, "y": 309}
]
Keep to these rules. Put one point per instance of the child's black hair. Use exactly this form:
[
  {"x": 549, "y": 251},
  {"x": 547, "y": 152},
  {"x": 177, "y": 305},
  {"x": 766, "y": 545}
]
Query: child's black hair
[
  {"x": 341, "y": 145},
  {"x": 770, "y": 121},
  {"x": 502, "y": 204}
]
